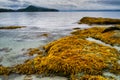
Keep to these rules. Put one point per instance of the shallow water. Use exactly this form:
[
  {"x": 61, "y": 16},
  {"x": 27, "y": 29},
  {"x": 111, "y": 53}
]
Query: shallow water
[{"x": 14, "y": 43}]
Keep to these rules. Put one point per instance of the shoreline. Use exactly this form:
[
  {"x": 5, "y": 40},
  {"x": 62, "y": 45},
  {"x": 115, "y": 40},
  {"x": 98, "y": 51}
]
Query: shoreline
[{"x": 59, "y": 54}]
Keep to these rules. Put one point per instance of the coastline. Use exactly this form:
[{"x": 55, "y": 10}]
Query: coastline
[{"x": 61, "y": 50}]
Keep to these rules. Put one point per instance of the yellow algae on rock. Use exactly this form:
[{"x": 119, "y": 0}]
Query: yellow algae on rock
[
  {"x": 92, "y": 77},
  {"x": 96, "y": 32},
  {"x": 99, "y": 20},
  {"x": 74, "y": 54},
  {"x": 33, "y": 51},
  {"x": 81, "y": 55},
  {"x": 4, "y": 70},
  {"x": 26, "y": 68},
  {"x": 115, "y": 68},
  {"x": 12, "y": 27}
]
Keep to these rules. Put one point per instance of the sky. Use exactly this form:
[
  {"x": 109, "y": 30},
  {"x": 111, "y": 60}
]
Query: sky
[{"x": 63, "y": 4}]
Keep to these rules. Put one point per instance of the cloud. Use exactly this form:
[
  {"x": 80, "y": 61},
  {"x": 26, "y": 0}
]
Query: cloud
[
  {"x": 14, "y": 4},
  {"x": 110, "y": 2},
  {"x": 63, "y": 4},
  {"x": 14, "y": 0}
]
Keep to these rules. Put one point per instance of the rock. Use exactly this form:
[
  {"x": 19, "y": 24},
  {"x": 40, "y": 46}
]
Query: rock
[
  {"x": 74, "y": 57},
  {"x": 12, "y": 27},
  {"x": 111, "y": 29},
  {"x": 45, "y": 34},
  {"x": 77, "y": 28},
  {"x": 116, "y": 34},
  {"x": 99, "y": 21}
]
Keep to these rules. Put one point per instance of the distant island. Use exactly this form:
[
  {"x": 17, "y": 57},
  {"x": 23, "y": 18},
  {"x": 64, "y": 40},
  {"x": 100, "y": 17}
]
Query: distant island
[{"x": 30, "y": 9}]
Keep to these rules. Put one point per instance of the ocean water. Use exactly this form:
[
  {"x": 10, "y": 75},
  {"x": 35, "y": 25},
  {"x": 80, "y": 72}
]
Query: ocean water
[{"x": 55, "y": 24}]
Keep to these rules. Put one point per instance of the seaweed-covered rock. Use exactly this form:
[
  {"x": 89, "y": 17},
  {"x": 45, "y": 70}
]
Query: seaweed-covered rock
[
  {"x": 32, "y": 51},
  {"x": 111, "y": 29},
  {"x": 71, "y": 55},
  {"x": 99, "y": 20},
  {"x": 116, "y": 34},
  {"x": 93, "y": 77},
  {"x": 12, "y": 27},
  {"x": 97, "y": 33},
  {"x": 4, "y": 70}
]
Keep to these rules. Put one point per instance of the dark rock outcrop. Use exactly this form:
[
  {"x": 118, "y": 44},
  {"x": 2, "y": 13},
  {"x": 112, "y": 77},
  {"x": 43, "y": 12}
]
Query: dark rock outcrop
[{"x": 111, "y": 29}]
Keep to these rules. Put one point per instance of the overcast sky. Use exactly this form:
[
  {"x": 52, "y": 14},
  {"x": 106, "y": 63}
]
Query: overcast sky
[{"x": 63, "y": 4}]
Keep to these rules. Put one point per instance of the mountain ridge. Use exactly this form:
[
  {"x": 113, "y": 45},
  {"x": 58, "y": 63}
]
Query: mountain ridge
[{"x": 30, "y": 9}]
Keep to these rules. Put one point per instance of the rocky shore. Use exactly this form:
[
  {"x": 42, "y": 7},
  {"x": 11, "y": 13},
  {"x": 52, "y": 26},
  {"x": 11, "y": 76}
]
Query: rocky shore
[{"x": 75, "y": 57}]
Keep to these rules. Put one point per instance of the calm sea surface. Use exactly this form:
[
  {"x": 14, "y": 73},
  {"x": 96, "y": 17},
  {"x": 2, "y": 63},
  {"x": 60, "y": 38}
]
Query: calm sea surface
[{"x": 56, "y": 24}]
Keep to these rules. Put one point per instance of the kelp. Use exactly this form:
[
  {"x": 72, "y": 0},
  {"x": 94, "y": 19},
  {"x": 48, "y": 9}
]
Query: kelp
[
  {"x": 98, "y": 20},
  {"x": 93, "y": 77},
  {"x": 74, "y": 54},
  {"x": 12, "y": 27},
  {"x": 5, "y": 70},
  {"x": 96, "y": 32},
  {"x": 32, "y": 51}
]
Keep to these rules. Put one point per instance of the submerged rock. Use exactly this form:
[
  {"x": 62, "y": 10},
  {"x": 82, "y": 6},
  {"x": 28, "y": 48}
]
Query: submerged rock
[
  {"x": 45, "y": 34},
  {"x": 6, "y": 49},
  {"x": 99, "y": 20}
]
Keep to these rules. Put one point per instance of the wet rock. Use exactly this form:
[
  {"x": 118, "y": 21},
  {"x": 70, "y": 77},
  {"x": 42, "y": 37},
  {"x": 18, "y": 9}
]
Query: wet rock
[
  {"x": 77, "y": 28},
  {"x": 111, "y": 29},
  {"x": 44, "y": 35}
]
